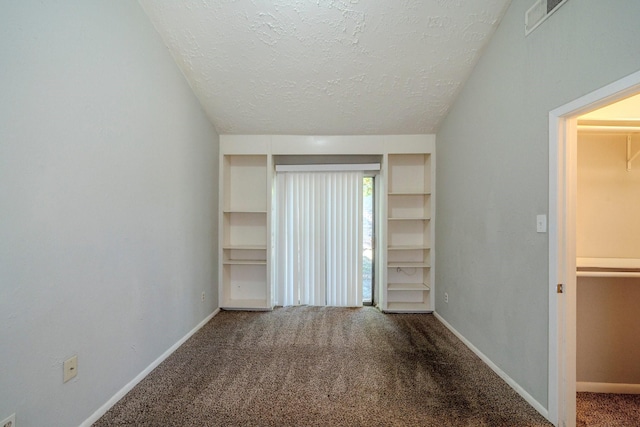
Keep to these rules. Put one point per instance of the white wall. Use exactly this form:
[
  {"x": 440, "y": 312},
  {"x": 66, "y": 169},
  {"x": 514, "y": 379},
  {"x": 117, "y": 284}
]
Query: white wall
[
  {"x": 493, "y": 170},
  {"x": 108, "y": 205},
  {"x": 608, "y": 226}
]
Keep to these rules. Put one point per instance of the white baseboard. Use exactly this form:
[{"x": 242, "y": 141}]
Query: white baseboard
[
  {"x": 617, "y": 388},
  {"x": 127, "y": 388},
  {"x": 514, "y": 385}
]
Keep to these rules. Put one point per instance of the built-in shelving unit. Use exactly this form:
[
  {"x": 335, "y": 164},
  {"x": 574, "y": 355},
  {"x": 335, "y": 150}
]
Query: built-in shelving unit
[
  {"x": 404, "y": 211},
  {"x": 244, "y": 232},
  {"x": 408, "y": 233}
]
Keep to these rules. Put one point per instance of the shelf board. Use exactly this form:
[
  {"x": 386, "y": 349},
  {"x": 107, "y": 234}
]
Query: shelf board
[
  {"x": 401, "y": 264},
  {"x": 617, "y": 263},
  {"x": 408, "y": 248},
  {"x": 408, "y": 307},
  {"x": 246, "y": 304},
  {"x": 608, "y": 267},
  {"x": 425, "y": 218},
  {"x": 610, "y": 274},
  {"x": 409, "y": 193},
  {"x": 244, "y": 262},
  {"x": 408, "y": 287},
  {"x": 231, "y": 211},
  {"x": 245, "y": 247}
]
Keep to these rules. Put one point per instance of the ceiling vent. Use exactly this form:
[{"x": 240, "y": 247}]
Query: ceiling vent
[{"x": 539, "y": 12}]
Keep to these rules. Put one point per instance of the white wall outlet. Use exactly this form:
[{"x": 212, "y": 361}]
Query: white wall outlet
[
  {"x": 446, "y": 297},
  {"x": 70, "y": 368},
  {"x": 541, "y": 223},
  {"x": 203, "y": 296},
  {"x": 9, "y": 422}
]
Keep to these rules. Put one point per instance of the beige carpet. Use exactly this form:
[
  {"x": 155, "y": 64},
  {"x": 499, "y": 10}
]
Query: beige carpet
[
  {"x": 607, "y": 410},
  {"x": 314, "y": 366}
]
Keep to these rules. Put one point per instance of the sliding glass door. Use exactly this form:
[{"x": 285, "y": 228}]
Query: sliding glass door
[
  {"x": 368, "y": 239},
  {"x": 319, "y": 251}
]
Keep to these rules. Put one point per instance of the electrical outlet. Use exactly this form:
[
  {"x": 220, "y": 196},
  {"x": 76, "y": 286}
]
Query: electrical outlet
[
  {"x": 70, "y": 368},
  {"x": 9, "y": 422},
  {"x": 446, "y": 297},
  {"x": 203, "y": 296}
]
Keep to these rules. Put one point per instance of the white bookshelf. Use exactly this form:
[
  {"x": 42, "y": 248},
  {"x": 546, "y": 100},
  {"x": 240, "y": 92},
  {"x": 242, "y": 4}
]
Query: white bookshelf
[
  {"x": 244, "y": 232},
  {"x": 409, "y": 233}
]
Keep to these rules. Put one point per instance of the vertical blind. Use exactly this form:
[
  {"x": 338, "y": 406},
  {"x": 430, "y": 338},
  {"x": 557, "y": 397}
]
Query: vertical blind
[{"x": 318, "y": 238}]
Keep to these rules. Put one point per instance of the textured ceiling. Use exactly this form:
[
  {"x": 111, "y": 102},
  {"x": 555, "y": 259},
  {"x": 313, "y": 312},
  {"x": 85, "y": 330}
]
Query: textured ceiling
[{"x": 325, "y": 67}]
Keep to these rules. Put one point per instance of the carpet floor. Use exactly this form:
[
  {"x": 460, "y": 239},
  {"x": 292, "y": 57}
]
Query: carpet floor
[
  {"x": 322, "y": 366},
  {"x": 607, "y": 410}
]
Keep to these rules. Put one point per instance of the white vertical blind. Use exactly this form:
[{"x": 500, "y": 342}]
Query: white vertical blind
[{"x": 318, "y": 238}]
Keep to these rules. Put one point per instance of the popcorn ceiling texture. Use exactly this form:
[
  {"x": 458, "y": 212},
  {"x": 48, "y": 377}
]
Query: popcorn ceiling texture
[{"x": 325, "y": 67}]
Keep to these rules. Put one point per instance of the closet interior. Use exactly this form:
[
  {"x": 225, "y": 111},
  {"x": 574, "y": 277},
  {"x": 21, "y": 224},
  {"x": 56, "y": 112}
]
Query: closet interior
[{"x": 608, "y": 249}]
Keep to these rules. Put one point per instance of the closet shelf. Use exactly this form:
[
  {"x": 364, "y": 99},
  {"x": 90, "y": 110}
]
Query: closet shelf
[
  {"x": 608, "y": 267},
  {"x": 608, "y": 273}
]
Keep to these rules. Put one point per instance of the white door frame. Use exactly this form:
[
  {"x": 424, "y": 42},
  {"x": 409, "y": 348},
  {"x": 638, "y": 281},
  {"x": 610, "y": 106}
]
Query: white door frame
[{"x": 562, "y": 243}]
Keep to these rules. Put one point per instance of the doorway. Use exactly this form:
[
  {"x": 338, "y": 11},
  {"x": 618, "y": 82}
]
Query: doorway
[
  {"x": 324, "y": 228},
  {"x": 563, "y": 137},
  {"x": 608, "y": 265}
]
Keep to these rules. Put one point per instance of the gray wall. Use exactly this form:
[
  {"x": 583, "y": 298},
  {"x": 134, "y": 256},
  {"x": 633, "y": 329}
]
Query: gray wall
[
  {"x": 492, "y": 175},
  {"x": 108, "y": 205}
]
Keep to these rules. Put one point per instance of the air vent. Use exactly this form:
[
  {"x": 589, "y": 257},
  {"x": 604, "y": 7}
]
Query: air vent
[{"x": 539, "y": 12}]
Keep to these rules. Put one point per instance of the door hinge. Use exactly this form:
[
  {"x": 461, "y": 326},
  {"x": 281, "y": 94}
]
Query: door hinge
[{"x": 559, "y": 288}]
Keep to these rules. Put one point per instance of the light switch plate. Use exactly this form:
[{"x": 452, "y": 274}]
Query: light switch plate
[{"x": 541, "y": 223}]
